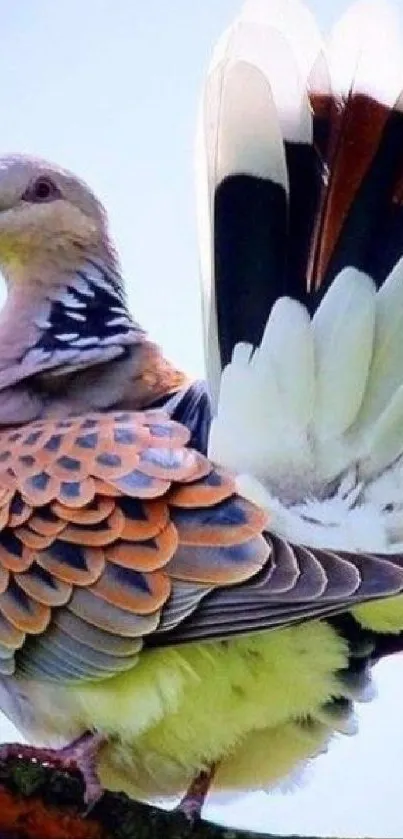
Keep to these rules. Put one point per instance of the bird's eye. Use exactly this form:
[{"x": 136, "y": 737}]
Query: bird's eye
[{"x": 41, "y": 190}]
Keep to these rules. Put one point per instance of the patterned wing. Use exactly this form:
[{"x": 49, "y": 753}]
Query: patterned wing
[
  {"x": 296, "y": 583},
  {"x": 105, "y": 519},
  {"x": 113, "y": 533}
]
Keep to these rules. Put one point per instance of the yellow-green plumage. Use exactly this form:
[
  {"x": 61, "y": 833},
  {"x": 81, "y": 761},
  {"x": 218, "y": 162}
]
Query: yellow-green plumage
[
  {"x": 381, "y": 615},
  {"x": 186, "y": 707}
]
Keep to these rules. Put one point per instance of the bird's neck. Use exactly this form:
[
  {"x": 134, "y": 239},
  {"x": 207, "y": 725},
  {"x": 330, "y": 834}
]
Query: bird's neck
[{"x": 74, "y": 343}]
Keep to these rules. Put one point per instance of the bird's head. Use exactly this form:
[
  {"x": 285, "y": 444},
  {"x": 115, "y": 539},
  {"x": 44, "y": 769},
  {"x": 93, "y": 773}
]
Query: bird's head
[
  {"x": 66, "y": 308},
  {"x": 50, "y": 221}
]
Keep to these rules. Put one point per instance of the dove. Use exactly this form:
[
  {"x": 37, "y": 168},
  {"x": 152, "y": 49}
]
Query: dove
[{"x": 196, "y": 578}]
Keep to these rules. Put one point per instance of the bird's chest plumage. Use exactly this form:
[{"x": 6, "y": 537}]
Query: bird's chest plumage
[{"x": 189, "y": 706}]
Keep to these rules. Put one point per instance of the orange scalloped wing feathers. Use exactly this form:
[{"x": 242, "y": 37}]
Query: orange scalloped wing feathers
[{"x": 104, "y": 520}]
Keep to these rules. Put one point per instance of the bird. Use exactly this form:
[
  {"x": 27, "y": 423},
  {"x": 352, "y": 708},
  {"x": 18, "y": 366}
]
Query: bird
[{"x": 197, "y": 578}]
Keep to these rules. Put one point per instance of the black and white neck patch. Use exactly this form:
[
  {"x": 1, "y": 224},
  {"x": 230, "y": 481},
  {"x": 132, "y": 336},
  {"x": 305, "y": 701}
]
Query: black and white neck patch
[
  {"x": 78, "y": 320},
  {"x": 88, "y": 312}
]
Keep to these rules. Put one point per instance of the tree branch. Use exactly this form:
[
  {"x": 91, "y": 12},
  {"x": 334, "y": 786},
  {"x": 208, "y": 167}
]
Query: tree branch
[{"x": 40, "y": 802}]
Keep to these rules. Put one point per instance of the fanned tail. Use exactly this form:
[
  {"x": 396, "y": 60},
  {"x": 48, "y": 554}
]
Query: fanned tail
[
  {"x": 300, "y": 151},
  {"x": 300, "y": 163}
]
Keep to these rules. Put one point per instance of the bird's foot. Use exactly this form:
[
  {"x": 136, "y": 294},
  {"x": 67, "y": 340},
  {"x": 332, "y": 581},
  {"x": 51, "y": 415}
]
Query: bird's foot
[
  {"x": 192, "y": 802},
  {"x": 78, "y": 756}
]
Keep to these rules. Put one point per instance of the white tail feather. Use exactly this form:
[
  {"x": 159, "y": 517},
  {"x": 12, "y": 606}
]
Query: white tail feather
[
  {"x": 343, "y": 328},
  {"x": 249, "y": 137},
  {"x": 383, "y": 441},
  {"x": 295, "y": 22},
  {"x": 368, "y": 33},
  {"x": 386, "y": 363},
  {"x": 289, "y": 343},
  {"x": 289, "y": 422},
  {"x": 267, "y": 398}
]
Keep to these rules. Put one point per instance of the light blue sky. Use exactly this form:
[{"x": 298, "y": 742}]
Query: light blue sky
[{"x": 109, "y": 88}]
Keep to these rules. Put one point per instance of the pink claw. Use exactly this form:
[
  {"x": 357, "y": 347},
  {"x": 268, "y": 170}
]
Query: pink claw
[
  {"x": 192, "y": 802},
  {"x": 80, "y": 755}
]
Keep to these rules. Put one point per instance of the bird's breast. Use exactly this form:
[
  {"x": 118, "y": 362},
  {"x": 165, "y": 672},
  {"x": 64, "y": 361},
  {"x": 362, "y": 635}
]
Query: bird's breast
[{"x": 186, "y": 707}]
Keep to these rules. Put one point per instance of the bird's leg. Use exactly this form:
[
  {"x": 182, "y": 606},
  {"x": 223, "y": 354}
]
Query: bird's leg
[
  {"x": 78, "y": 756},
  {"x": 193, "y": 801}
]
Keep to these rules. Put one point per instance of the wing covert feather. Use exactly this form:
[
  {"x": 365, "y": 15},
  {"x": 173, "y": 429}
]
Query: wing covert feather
[{"x": 94, "y": 512}]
